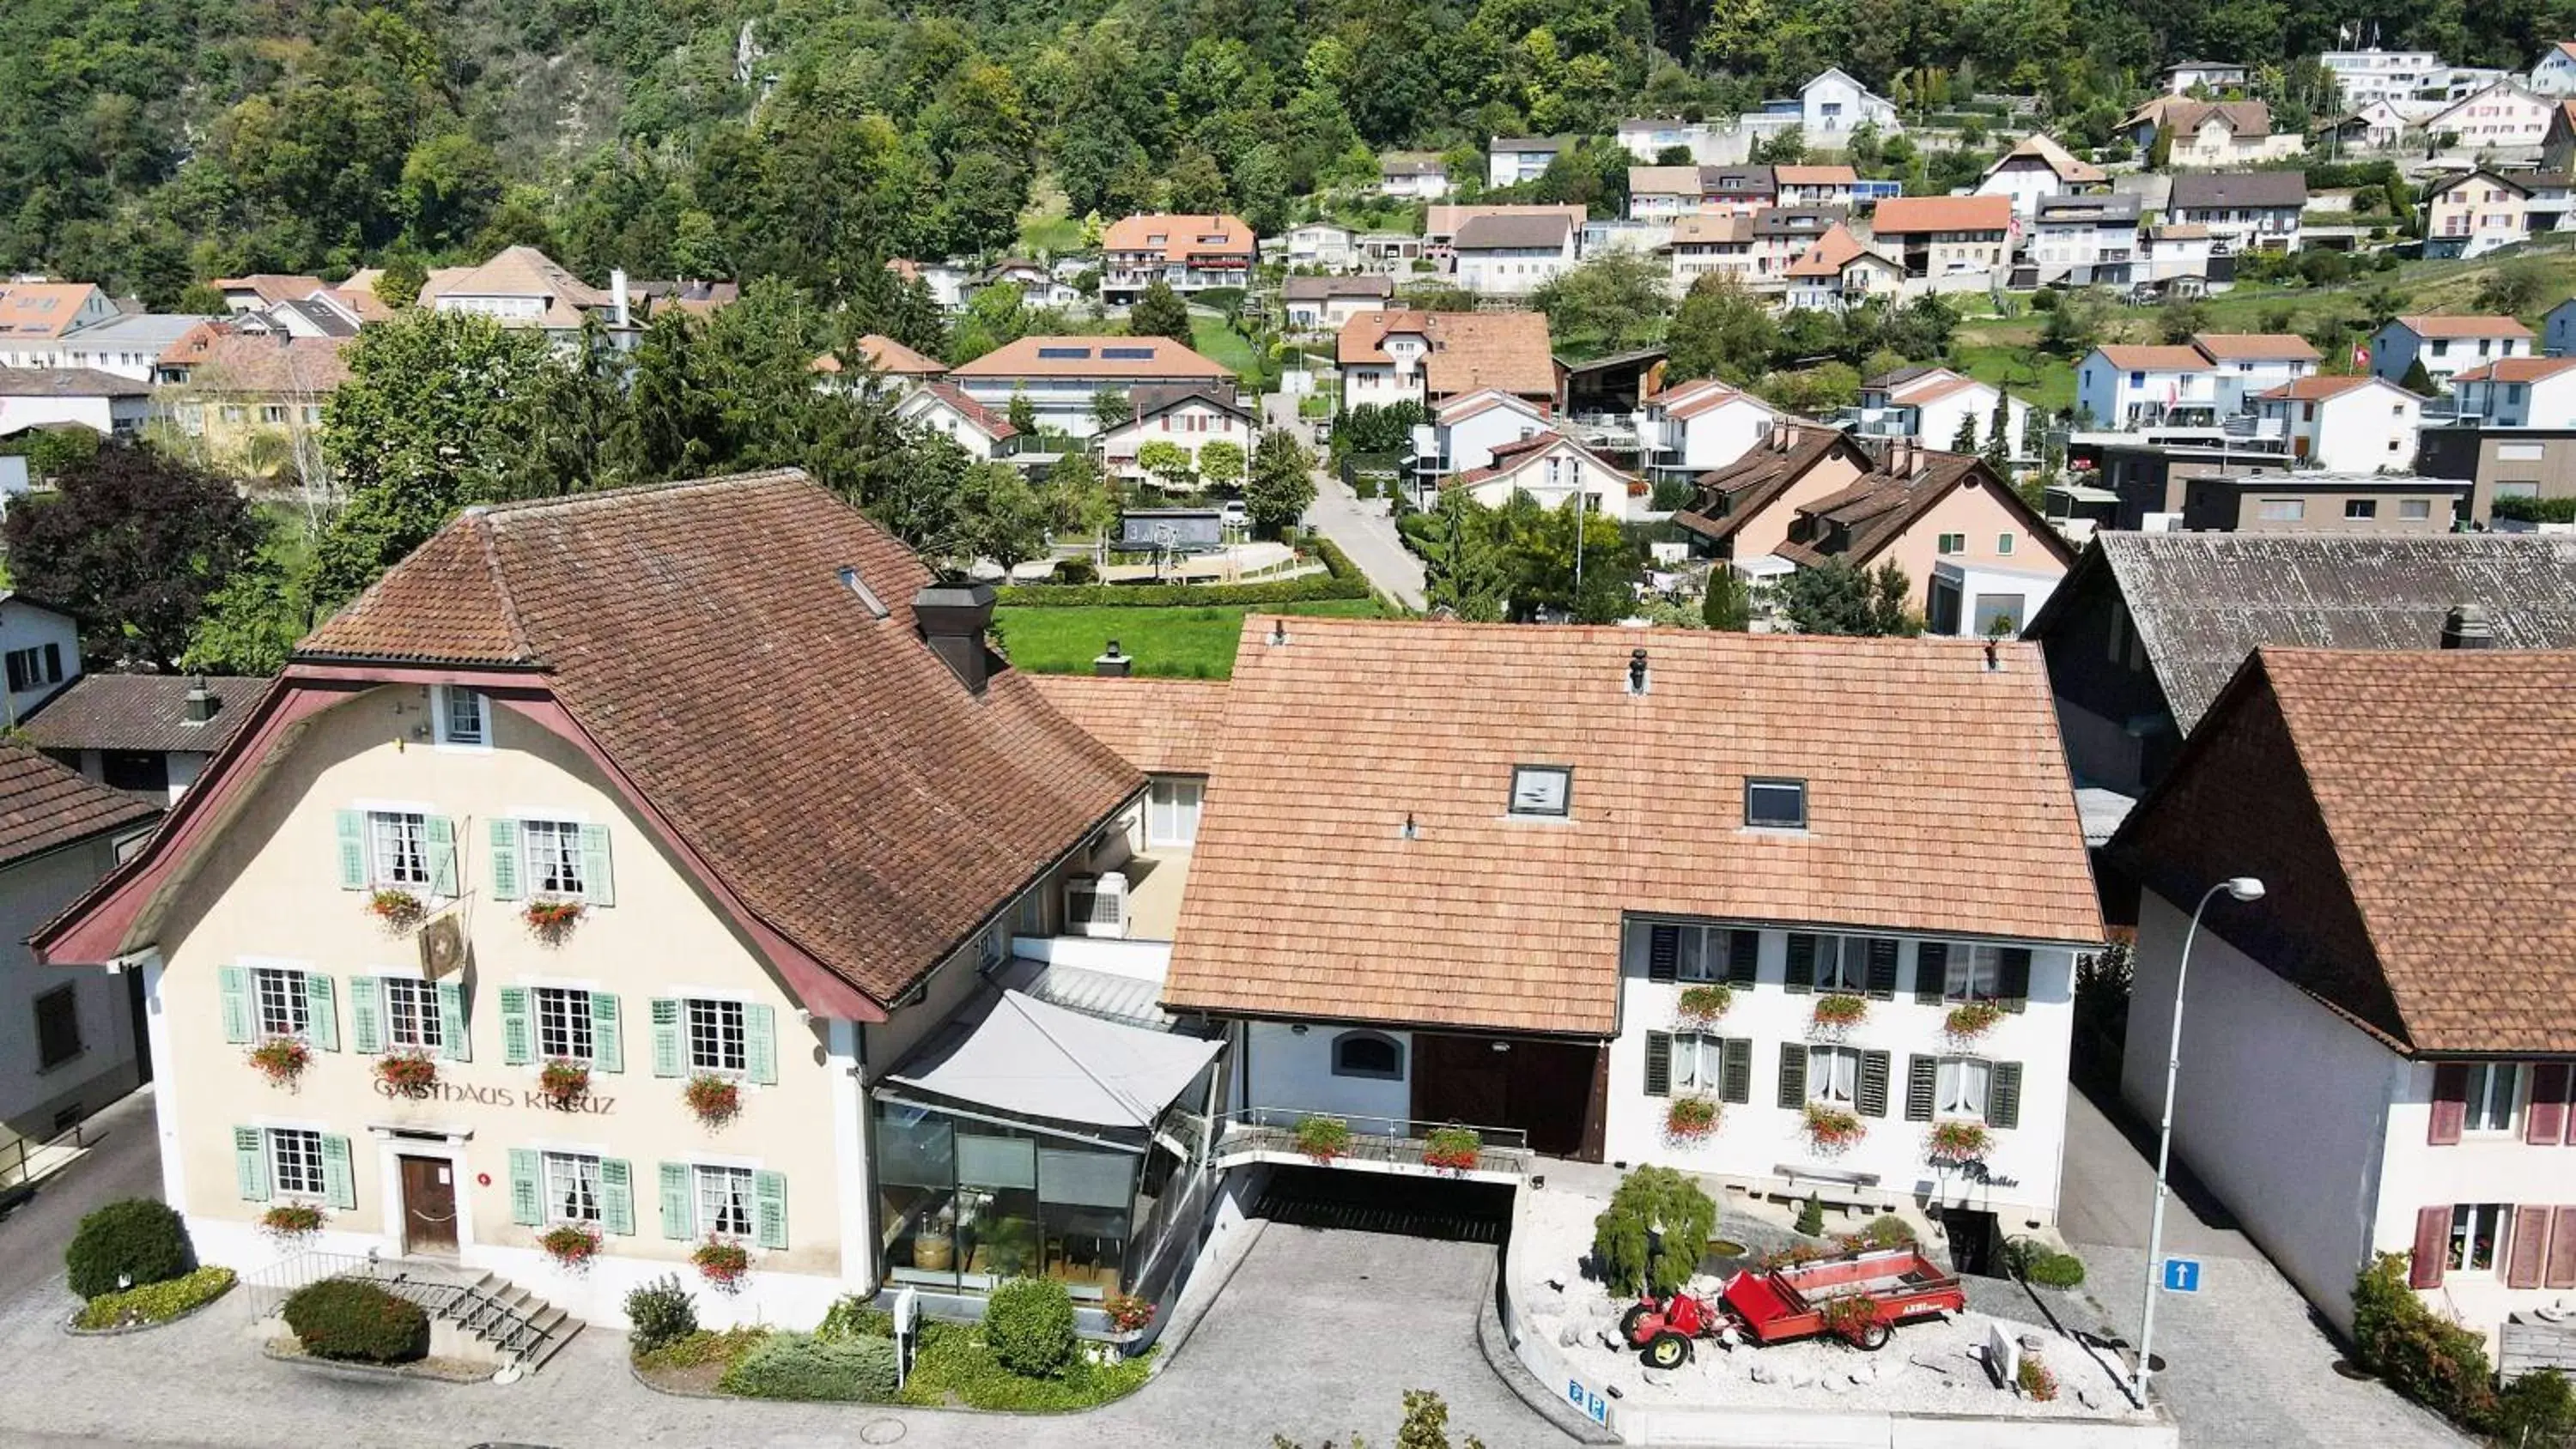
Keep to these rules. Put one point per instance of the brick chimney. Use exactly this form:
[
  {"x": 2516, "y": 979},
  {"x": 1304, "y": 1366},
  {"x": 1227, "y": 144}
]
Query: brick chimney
[
  {"x": 952, "y": 619},
  {"x": 2466, "y": 627}
]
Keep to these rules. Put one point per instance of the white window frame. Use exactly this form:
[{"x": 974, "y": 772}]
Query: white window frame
[
  {"x": 412, "y": 1019},
  {"x": 712, "y": 1210},
  {"x": 1529, "y": 782},
  {"x": 558, "y": 860},
  {"x": 2494, "y": 1097},
  {"x": 1963, "y": 1088},
  {"x": 2460, "y": 1252},
  {"x": 294, "y": 1001},
  {"x": 277, "y": 1141},
  {"x": 574, "y": 1004},
  {"x": 578, "y": 1174},
  {"x": 1824, "y": 1065},
  {"x": 443, "y": 700},
  {"x": 1172, "y": 809},
  {"x": 727, "y": 1024},
  {"x": 384, "y": 874}
]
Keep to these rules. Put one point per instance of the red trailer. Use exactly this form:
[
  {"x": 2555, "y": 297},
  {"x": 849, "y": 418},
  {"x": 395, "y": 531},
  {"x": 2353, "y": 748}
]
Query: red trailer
[{"x": 1862, "y": 1296}]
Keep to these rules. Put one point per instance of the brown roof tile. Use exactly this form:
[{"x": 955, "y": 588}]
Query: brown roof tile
[
  {"x": 2516, "y": 369},
  {"x": 142, "y": 712},
  {"x": 218, "y": 359},
  {"x": 893, "y": 358},
  {"x": 46, "y": 806},
  {"x": 2464, "y": 325},
  {"x": 1160, "y": 726},
  {"x": 1099, "y": 357},
  {"x": 1469, "y": 350},
  {"x": 2255, "y": 347},
  {"x": 1193, "y": 235},
  {"x": 1905, "y": 215}
]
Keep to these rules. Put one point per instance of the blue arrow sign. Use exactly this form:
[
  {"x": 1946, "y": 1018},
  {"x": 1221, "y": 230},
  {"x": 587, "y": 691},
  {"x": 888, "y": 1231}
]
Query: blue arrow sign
[{"x": 2182, "y": 1275}]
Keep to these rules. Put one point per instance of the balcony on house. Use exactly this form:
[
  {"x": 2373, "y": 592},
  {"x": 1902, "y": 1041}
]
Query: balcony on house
[{"x": 1399, "y": 1146}]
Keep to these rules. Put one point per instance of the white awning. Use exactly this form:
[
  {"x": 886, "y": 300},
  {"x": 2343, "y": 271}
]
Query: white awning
[{"x": 1033, "y": 1059}]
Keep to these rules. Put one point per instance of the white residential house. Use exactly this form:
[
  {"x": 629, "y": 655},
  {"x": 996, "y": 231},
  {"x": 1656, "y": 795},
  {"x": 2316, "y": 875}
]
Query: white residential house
[
  {"x": 2036, "y": 169},
  {"x": 2249, "y": 363},
  {"x": 1187, "y": 418},
  {"x": 2212, "y": 134},
  {"x": 2373, "y": 126},
  {"x": 521, "y": 287},
  {"x": 2092, "y": 234},
  {"x": 944, "y": 408},
  {"x": 2210, "y": 75},
  {"x": 35, "y": 313},
  {"x": 1328, "y": 245},
  {"x": 2520, "y": 392},
  {"x": 2369, "y": 77},
  {"x": 1929, "y": 405},
  {"x": 2446, "y": 345},
  {"x": 1839, "y": 271},
  {"x": 1691, "y": 427},
  {"x": 1514, "y": 255},
  {"x": 1465, "y": 431},
  {"x": 1710, "y": 143},
  {"x": 1703, "y": 245},
  {"x": 1663, "y": 193},
  {"x": 1419, "y": 175},
  {"x": 1187, "y": 252},
  {"x": 1557, "y": 471},
  {"x": 2178, "y": 250},
  {"x": 2247, "y": 210},
  {"x": 1064, "y": 377},
  {"x": 1325, "y": 303},
  {"x": 2351, "y": 425},
  {"x": 2554, "y": 74},
  {"x": 2125, "y": 387},
  {"x": 2475, "y": 212},
  {"x": 129, "y": 346},
  {"x": 1511, "y": 160},
  {"x": 146, "y": 734},
  {"x": 40, "y": 648},
  {"x": 2502, "y": 117},
  {"x": 1832, "y": 105},
  {"x": 106, "y": 404}
]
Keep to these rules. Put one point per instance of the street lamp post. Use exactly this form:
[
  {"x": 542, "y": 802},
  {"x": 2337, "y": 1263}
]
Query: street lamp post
[{"x": 2243, "y": 888}]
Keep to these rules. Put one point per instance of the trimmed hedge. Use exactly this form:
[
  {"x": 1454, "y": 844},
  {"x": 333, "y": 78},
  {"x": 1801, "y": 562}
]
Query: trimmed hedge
[
  {"x": 155, "y": 1302},
  {"x": 137, "y": 1240},
  {"x": 1341, "y": 579},
  {"x": 2535, "y": 510},
  {"x": 1029, "y": 1325},
  {"x": 351, "y": 1318},
  {"x": 801, "y": 1366}
]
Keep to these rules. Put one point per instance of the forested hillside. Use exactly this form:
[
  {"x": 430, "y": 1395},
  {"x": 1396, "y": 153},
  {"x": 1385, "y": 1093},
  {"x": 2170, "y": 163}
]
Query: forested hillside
[{"x": 147, "y": 143}]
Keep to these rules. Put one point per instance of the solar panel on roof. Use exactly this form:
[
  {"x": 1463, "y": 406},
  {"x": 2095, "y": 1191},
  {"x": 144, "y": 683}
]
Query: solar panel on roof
[
  {"x": 1075, "y": 353},
  {"x": 1126, "y": 354}
]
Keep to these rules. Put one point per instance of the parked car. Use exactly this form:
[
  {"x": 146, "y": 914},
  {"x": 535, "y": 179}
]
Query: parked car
[{"x": 1235, "y": 515}]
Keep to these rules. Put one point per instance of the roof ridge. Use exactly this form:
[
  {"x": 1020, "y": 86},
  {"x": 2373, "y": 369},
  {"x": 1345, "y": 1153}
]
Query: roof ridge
[
  {"x": 500, "y": 578},
  {"x": 602, "y": 496}
]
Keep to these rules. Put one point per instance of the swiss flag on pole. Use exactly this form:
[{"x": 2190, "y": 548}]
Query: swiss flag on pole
[{"x": 2360, "y": 356}]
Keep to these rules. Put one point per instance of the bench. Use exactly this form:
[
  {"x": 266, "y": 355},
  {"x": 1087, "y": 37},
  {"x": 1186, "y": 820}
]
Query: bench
[{"x": 1845, "y": 1192}]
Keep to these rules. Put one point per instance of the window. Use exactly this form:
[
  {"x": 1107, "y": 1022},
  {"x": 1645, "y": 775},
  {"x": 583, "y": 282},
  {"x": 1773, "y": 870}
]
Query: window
[
  {"x": 1833, "y": 1075},
  {"x": 461, "y": 717},
  {"x": 58, "y": 1037},
  {"x": 1953, "y": 543},
  {"x": 563, "y": 1024},
  {"x": 272, "y": 413},
  {"x": 399, "y": 849},
  {"x": 295, "y": 1162},
  {"x": 2414, "y": 507},
  {"x": 2494, "y": 1087},
  {"x": 411, "y": 1014},
  {"x": 2476, "y": 1228},
  {"x": 35, "y": 665},
  {"x": 1172, "y": 811},
  {"x": 2361, "y": 508},
  {"x": 284, "y": 1008},
  {"x": 572, "y": 1188},
  {"x": 1959, "y": 1089},
  {"x": 1974, "y": 973},
  {"x": 724, "y": 1201},
  {"x": 1368, "y": 1054},
  {"x": 2281, "y": 510},
  {"x": 1541, "y": 789},
  {"x": 1776, "y": 804},
  {"x": 1698, "y": 1063},
  {"x": 1842, "y": 963},
  {"x": 553, "y": 857},
  {"x": 716, "y": 1037}
]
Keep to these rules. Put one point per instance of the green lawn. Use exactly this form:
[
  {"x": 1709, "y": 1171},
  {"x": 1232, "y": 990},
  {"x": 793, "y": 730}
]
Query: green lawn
[
  {"x": 1186, "y": 642},
  {"x": 1212, "y": 339},
  {"x": 2010, "y": 367}
]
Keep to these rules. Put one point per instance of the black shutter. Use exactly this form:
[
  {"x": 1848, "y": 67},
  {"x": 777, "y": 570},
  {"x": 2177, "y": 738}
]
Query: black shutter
[
  {"x": 1743, "y": 956},
  {"x": 1793, "y": 1074},
  {"x": 1931, "y": 972},
  {"x": 1663, "y": 952},
  {"x": 2003, "y": 1095},
  {"x": 2012, "y": 984},
  {"x": 53, "y": 664},
  {"x": 17, "y": 672},
  {"x": 1659, "y": 1064},
  {"x": 1735, "y": 1070},
  {"x": 1802, "y": 962},
  {"x": 1922, "y": 1078},
  {"x": 1873, "y": 1084},
  {"x": 1882, "y": 968}
]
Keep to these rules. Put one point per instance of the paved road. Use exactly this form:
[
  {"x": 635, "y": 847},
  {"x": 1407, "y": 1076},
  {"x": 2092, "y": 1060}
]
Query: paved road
[
  {"x": 1364, "y": 533},
  {"x": 123, "y": 1161},
  {"x": 2246, "y": 1361}
]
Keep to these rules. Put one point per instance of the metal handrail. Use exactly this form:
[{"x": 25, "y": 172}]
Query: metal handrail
[
  {"x": 1401, "y": 1140},
  {"x": 485, "y": 1315}
]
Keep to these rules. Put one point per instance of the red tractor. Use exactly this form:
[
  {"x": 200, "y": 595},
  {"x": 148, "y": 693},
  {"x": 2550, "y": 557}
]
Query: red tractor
[{"x": 1661, "y": 1330}]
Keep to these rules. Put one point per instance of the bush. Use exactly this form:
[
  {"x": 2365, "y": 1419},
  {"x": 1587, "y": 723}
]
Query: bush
[
  {"x": 156, "y": 1302},
  {"x": 954, "y": 1365},
  {"x": 661, "y": 1313},
  {"x": 704, "y": 1347},
  {"x": 2535, "y": 510},
  {"x": 1076, "y": 572},
  {"x": 1029, "y": 1323},
  {"x": 2537, "y": 1408},
  {"x": 351, "y": 1318},
  {"x": 1674, "y": 494},
  {"x": 1811, "y": 1217},
  {"x": 802, "y": 1366},
  {"x": 2436, "y": 1363},
  {"x": 1626, "y": 1245},
  {"x": 855, "y": 1315},
  {"x": 138, "y": 1240},
  {"x": 2056, "y": 1270}
]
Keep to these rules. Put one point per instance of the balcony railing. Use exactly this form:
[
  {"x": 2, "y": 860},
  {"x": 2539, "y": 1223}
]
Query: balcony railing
[{"x": 1385, "y": 1141}]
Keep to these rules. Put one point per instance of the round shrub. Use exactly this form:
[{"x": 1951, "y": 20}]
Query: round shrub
[
  {"x": 801, "y": 1366},
  {"x": 659, "y": 1313},
  {"x": 2057, "y": 1270},
  {"x": 1029, "y": 1325},
  {"x": 351, "y": 1318},
  {"x": 138, "y": 1240}
]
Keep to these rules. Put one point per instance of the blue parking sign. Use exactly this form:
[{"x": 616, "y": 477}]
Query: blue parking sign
[
  {"x": 2182, "y": 1275},
  {"x": 1591, "y": 1405}
]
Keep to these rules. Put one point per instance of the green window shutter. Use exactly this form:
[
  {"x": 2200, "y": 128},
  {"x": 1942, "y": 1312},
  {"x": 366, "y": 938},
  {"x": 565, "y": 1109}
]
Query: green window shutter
[
  {"x": 597, "y": 887},
  {"x": 1873, "y": 1084},
  {"x": 1882, "y": 968},
  {"x": 366, "y": 1014},
  {"x": 441, "y": 835},
  {"x": 617, "y": 1197},
  {"x": 234, "y": 983},
  {"x": 2012, "y": 983},
  {"x": 2003, "y": 1096},
  {"x": 1735, "y": 1070},
  {"x": 1743, "y": 956},
  {"x": 1922, "y": 1077},
  {"x": 666, "y": 1037},
  {"x": 352, "y": 826},
  {"x": 1802, "y": 962},
  {"x": 1663, "y": 951},
  {"x": 607, "y": 1046},
  {"x": 526, "y": 1206},
  {"x": 679, "y": 1205},
  {"x": 250, "y": 1163},
  {"x": 322, "y": 1026},
  {"x": 769, "y": 1208},
  {"x": 760, "y": 1044},
  {"x": 338, "y": 1182},
  {"x": 1793, "y": 1074},
  {"x": 453, "y": 1043},
  {"x": 1659, "y": 1064},
  {"x": 518, "y": 1033},
  {"x": 1931, "y": 972},
  {"x": 505, "y": 860}
]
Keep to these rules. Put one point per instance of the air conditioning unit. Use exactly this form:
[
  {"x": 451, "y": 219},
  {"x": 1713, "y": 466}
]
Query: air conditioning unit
[{"x": 1096, "y": 905}]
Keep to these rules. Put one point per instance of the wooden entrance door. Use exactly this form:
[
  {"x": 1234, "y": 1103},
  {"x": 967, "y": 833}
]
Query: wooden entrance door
[
  {"x": 429, "y": 1205},
  {"x": 1545, "y": 1088}
]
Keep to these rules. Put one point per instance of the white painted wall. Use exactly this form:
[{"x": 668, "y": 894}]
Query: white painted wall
[
  {"x": 1294, "y": 1072},
  {"x": 1721, "y": 435},
  {"x": 1472, "y": 441},
  {"x": 2396, "y": 347},
  {"x": 102, "y": 415},
  {"x": 2365, "y": 430},
  {"x": 26, "y": 626},
  {"x": 30, "y": 893}
]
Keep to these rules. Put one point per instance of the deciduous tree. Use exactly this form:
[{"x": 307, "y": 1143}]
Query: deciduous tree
[{"x": 133, "y": 546}]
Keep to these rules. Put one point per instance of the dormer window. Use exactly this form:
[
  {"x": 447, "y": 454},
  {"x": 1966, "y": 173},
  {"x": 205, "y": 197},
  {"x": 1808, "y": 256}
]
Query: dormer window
[
  {"x": 461, "y": 717},
  {"x": 1541, "y": 789},
  {"x": 1775, "y": 804}
]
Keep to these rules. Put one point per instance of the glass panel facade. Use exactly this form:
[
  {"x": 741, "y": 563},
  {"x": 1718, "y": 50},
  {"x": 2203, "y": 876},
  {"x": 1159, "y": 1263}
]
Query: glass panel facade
[{"x": 966, "y": 1203}]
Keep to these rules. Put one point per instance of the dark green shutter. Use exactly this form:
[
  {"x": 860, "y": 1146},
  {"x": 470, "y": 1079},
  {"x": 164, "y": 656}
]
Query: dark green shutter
[
  {"x": 2003, "y": 1096},
  {"x": 1659, "y": 1064},
  {"x": 1932, "y": 972},
  {"x": 1735, "y": 1070},
  {"x": 1873, "y": 1084},
  {"x": 1922, "y": 1078},
  {"x": 2012, "y": 983},
  {"x": 1663, "y": 951},
  {"x": 1882, "y": 968},
  {"x": 1743, "y": 956},
  {"x": 1802, "y": 962},
  {"x": 1793, "y": 1074}
]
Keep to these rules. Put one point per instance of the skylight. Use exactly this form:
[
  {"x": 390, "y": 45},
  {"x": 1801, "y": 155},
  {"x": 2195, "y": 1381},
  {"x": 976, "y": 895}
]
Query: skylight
[
  {"x": 1542, "y": 789},
  {"x": 1775, "y": 804},
  {"x": 1126, "y": 354},
  {"x": 1065, "y": 353}
]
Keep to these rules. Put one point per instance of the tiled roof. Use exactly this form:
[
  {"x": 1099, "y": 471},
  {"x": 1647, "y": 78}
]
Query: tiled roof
[
  {"x": 68, "y": 382},
  {"x": 273, "y": 288},
  {"x": 2246, "y": 118},
  {"x": 1309, "y": 897},
  {"x": 2145, "y": 357},
  {"x": 1321, "y": 289},
  {"x": 32, "y": 310},
  {"x": 1179, "y": 236},
  {"x": 45, "y": 806},
  {"x": 2218, "y": 190},
  {"x": 1469, "y": 350},
  {"x": 520, "y": 271},
  {"x": 1816, "y": 175},
  {"x": 2186, "y": 231},
  {"x": 142, "y": 712},
  {"x": 2094, "y": 208},
  {"x": 893, "y": 358},
  {"x": 1729, "y": 228},
  {"x": 1107, "y": 357},
  {"x": 1480, "y": 232},
  {"x": 1160, "y": 726},
  {"x": 218, "y": 359},
  {"x": 1414, "y": 163},
  {"x": 1706, "y": 394},
  {"x": 2464, "y": 325},
  {"x": 1907, "y": 215},
  {"x": 2516, "y": 369},
  {"x": 833, "y": 771},
  {"x": 1443, "y": 219},
  {"x": 2043, "y": 148},
  {"x": 1663, "y": 181},
  {"x": 986, "y": 421},
  {"x": 2201, "y": 601},
  {"x": 1734, "y": 495},
  {"x": 2316, "y": 389},
  {"x": 1834, "y": 251},
  {"x": 2255, "y": 347}
]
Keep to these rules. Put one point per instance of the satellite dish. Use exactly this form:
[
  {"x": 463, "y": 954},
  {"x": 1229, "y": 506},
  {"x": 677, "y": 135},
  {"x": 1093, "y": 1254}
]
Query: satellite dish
[{"x": 442, "y": 947}]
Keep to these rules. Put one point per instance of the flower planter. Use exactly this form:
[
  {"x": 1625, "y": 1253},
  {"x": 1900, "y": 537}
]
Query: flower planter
[
  {"x": 399, "y": 910},
  {"x": 1700, "y": 1006},
  {"x": 1691, "y": 1120},
  {"x": 1850, "y": 1319},
  {"x": 571, "y": 1246},
  {"x": 1128, "y": 1313},
  {"x": 411, "y": 1073},
  {"x": 716, "y": 1100},
  {"x": 1840, "y": 1011},
  {"x": 291, "y": 1223},
  {"x": 722, "y": 1263},
  {"x": 1453, "y": 1149},
  {"x": 1966, "y": 1023},
  {"x": 1323, "y": 1138},
  {"x": 1956, "y": 1143},
  {"x": 550, "y": 919},
  {"x": 562, "y": 1084},
  {"x": 1831, "y": 1130},
  {"x": 2034, "y": 1380},
  {"x": 281, "y": 1060}
]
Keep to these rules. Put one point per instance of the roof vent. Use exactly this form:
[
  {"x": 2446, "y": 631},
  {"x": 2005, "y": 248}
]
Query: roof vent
[
  {"x": 1111, "y": 664},
  {"x": 201, "y": 703},
  {"x": 1636, "y": 671},
  {"x": 1278, "y": 631},
  {"x": 952, "y": 619},
  {"x": 876, "y": 607},
  {"x": 2466, "y": 627}
]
